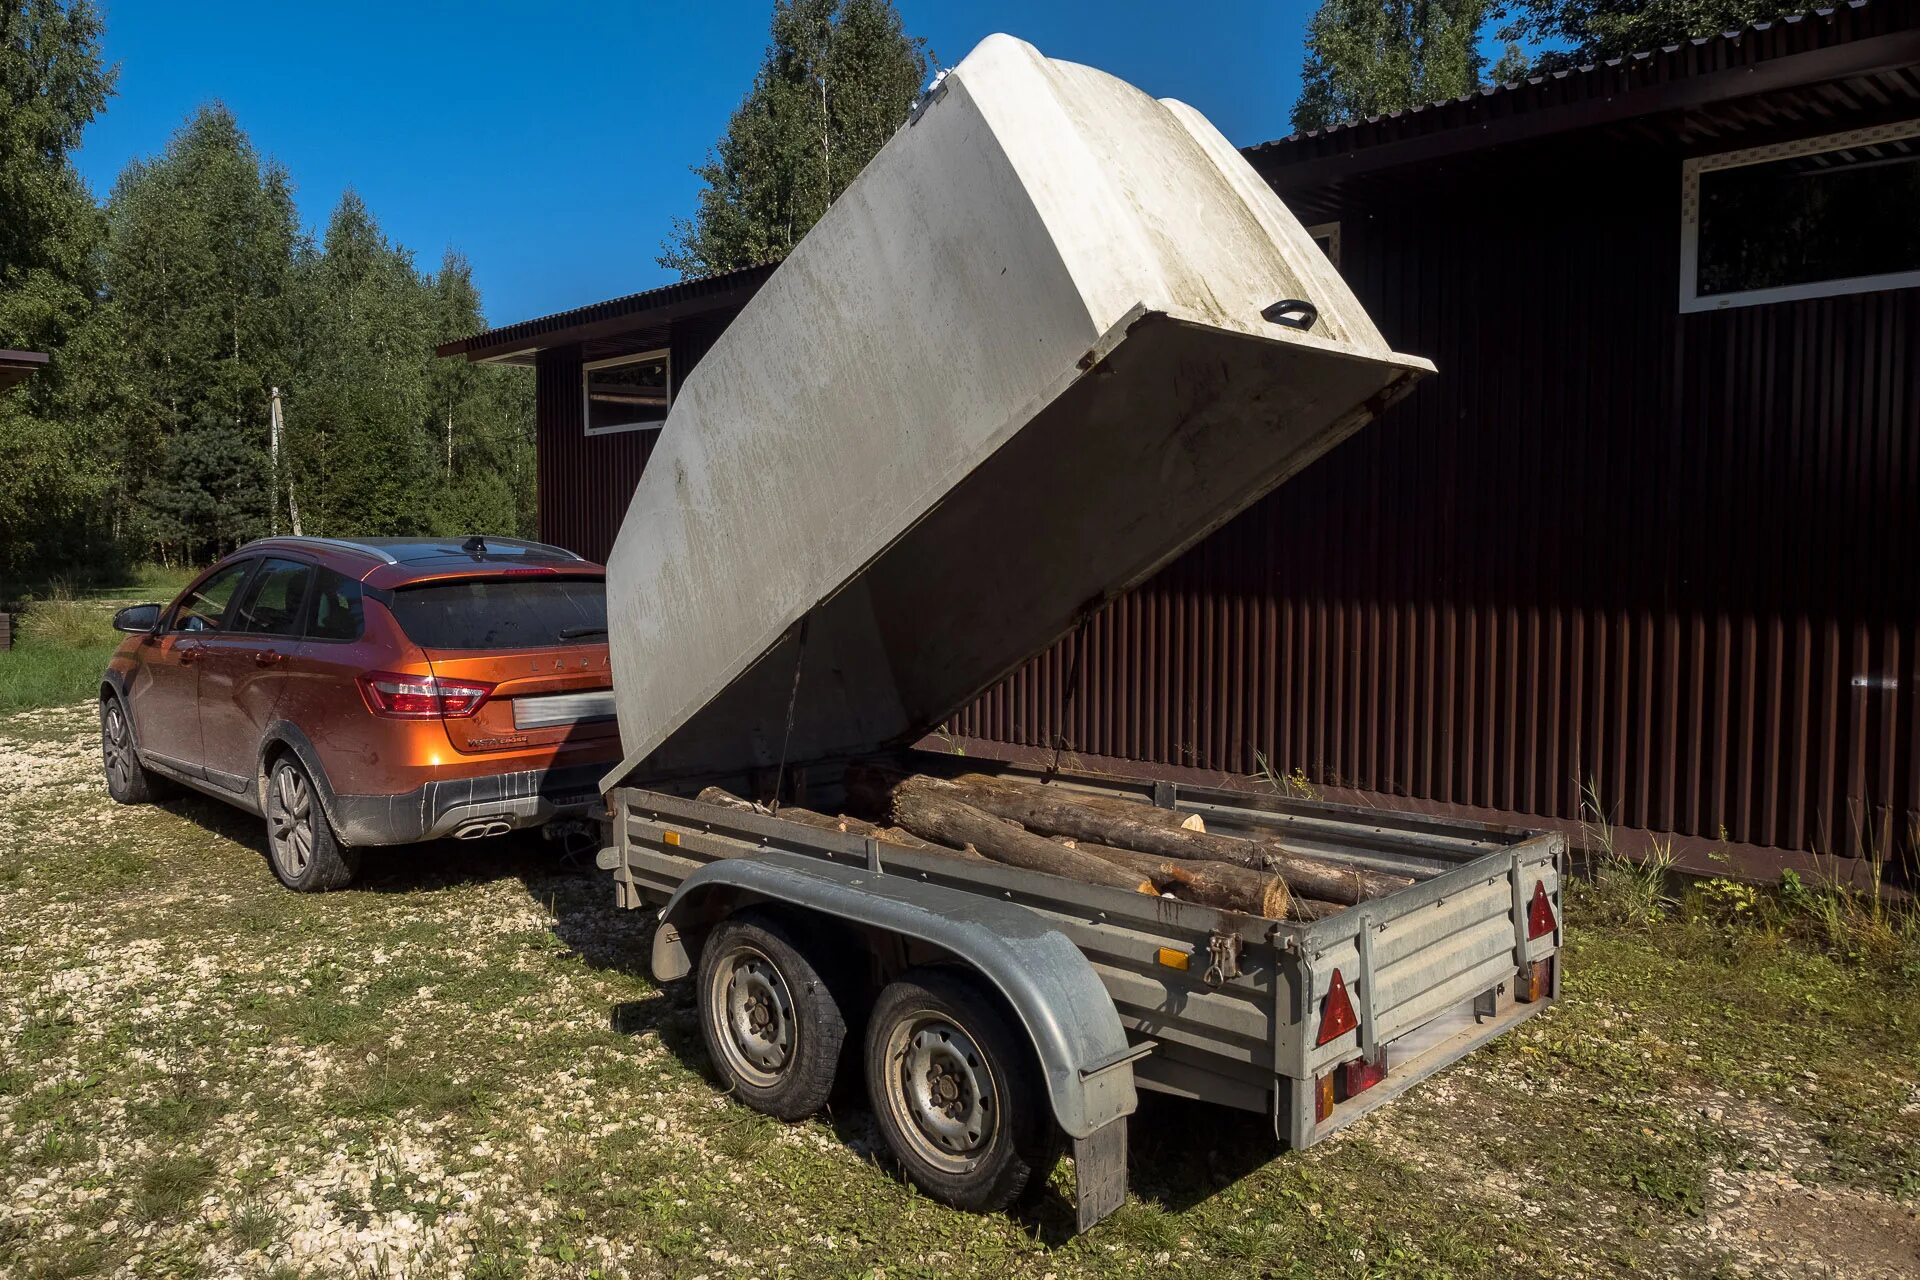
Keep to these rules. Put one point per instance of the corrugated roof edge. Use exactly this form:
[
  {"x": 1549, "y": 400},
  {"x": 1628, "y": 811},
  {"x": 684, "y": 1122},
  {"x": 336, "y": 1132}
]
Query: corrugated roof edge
[
  {"x": 529, "y": 333},
  {"x": 1756, "y": 42}
]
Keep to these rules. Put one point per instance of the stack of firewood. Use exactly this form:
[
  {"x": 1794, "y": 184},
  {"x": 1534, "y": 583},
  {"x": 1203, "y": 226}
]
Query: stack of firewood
[{"x": 1098, "y": 839}]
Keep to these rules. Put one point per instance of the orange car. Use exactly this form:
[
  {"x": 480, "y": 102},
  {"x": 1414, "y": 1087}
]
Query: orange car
[{"x": 369, "y": 693}]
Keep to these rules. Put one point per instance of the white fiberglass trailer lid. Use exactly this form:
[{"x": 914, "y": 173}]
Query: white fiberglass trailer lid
[{"x": 1052, "y": 335}]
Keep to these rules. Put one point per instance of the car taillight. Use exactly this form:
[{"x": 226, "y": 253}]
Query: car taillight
[
  {"x": 405, "y": 697},
  {"x": 1336, "y": 1013},
  {"x": 1540, "y": 920}
]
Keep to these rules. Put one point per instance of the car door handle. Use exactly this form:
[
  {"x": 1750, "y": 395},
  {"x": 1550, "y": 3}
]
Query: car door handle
[
  {"x": 188, "y": 654},
  {"x": 268, "y": 658}
]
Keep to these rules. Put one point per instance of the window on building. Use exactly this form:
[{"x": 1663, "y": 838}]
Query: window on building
[
  {"x": 1839, "y": 214},
  {"x": 1327, "y": 236},
  {"x": 627, "y": 393}
]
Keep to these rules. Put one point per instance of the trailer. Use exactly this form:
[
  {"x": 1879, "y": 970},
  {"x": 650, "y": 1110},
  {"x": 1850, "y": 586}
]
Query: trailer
[
  {"x": 1311, "y": 1025},
  {"x": 1054, "y": 334}
]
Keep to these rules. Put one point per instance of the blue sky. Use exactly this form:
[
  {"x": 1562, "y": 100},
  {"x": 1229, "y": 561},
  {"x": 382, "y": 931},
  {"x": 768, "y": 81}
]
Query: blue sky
[{"x": 551, "y": 142}]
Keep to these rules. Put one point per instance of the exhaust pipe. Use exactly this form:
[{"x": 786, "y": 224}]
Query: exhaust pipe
[{"x": 479, "y": 828}]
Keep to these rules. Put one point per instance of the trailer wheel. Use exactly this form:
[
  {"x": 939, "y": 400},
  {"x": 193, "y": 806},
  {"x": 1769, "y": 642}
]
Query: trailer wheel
[
  {"x": 772, "y": 1025},
  {"x": 956, "y": 1092}
]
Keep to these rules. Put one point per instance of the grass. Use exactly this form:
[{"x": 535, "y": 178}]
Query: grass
[
  {"x": 463, "y": 1065},
  {"x": 64, "y": 638}
]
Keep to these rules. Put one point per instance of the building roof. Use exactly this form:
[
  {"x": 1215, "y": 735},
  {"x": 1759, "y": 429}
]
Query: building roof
[
  {"x": 1876, "y": 42},
  {"x": 18, "y": 366},
  {"x": 518, "y": 343}
]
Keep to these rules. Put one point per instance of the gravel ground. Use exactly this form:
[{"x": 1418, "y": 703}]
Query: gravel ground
[{"x": 460, "y": 1068}]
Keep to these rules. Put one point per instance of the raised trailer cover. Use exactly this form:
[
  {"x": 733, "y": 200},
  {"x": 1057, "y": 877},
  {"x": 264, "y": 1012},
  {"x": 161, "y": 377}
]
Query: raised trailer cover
[{"x": 1020, "y": 364}]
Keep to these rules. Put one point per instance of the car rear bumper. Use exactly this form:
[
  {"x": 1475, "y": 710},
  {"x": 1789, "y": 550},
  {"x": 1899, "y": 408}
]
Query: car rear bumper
[{"x": 452, "y": 806}]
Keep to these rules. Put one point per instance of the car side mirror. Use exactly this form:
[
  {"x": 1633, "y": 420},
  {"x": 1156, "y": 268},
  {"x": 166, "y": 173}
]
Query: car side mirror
[{"x": 137, "y": 619}]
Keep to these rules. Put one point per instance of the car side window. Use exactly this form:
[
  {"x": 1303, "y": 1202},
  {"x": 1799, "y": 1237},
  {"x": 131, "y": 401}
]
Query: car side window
[
  {"x": 273, "y": 602},
  {"x": 334, "y": 613},
  {"x": 205, "y": 607}
]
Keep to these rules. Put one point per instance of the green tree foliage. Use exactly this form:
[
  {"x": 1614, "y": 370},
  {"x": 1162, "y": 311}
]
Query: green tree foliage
[
  {"x": 484, "y": 417},
  {"x": 198, "y": 266},
  {"x": 1575, "y": 32},
  {"x": 838, "y": 78},
  {"x": 172, "y": 314},
  {"x": 1368, "y": 57},
  {"x": 54, "y": 468}
]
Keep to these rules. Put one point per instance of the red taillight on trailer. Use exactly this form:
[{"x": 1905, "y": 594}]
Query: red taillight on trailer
[
  {"x": 1358, "y": 1076},
  {"x": 405, "y": 697},
  {"x": 1336, "y": 1012},
  {"x": 1540, "y": 920},
  {"x": 1348, "y": 1080}
]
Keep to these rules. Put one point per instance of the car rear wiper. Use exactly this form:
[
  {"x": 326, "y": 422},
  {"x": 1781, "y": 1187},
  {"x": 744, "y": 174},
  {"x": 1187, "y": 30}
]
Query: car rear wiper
[{"x": 580, "y": 633}]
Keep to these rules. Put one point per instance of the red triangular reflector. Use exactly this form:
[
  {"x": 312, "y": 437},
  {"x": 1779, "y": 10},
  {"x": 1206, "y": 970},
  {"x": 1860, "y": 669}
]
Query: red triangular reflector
[
  {"x": 1336, "y": 1017},
  {"x": 1540, "y": 920}
]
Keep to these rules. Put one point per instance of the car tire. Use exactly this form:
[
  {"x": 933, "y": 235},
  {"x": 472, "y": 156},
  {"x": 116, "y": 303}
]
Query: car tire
[
  {"x": 957, "y": 1093},
  {"x": 772, "y": 1024},
  {"x": 305, "y": 854},
  {"x": 128, "y": 781}
]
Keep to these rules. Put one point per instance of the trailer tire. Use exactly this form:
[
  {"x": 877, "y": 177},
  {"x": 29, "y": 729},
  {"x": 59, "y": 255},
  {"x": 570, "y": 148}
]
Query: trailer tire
[
  {"x": 772, "y": 1025},
  {"x": 956, "y": 1092}
]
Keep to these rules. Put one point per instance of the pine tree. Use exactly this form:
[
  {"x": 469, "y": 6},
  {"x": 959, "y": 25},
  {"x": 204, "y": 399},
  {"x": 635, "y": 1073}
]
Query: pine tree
[
  {"x": 56, "y": 457},
  {"x": 838, "y": 78},
  {"x": 1368, "y": 57}
]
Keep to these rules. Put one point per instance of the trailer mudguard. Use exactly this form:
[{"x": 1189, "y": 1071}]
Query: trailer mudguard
[{"x": 1051, "y": 988}]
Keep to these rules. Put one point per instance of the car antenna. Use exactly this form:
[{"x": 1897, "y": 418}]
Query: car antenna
[{"x": 476, "y": 546}]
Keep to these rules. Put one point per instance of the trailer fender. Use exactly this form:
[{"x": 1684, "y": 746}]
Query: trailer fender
[{"x": 1043, "y": 977}]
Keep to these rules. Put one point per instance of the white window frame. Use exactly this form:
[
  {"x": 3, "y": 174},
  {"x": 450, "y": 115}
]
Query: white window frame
[
  {"x": 637, "y": 357},
  {"x": 1331, "y": 232},
  {"x": 1690, "y": 299}
]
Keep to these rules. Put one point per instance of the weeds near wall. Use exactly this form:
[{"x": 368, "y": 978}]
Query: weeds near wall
[
  {"x": 1295, "y": 785},
  {"x": 1869, "y": 927}
]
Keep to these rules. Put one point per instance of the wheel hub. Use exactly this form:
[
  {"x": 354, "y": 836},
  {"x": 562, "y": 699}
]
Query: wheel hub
[
  {"x": 948, "y": 1090},
  {"x": 759, "y": 1020}
]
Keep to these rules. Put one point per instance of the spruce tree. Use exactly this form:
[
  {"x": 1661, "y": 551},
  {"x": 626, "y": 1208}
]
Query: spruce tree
[
  {"x": 483, "y": 418},
  {"x": 837, "y": 79},
  {"x": 359, "y": 408},
  {"x": 198, "y": 266}
]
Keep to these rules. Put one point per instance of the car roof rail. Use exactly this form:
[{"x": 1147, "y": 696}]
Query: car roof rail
[{"x": 337, "y": 544}]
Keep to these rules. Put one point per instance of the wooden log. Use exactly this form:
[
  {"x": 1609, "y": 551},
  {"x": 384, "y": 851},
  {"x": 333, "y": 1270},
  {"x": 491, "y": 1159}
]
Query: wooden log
[
  {"x": 947, "y": 820},
  {"x": 1211, "y": 884},
  {"x": 843, "y": 823},
  {"x": 1128, "y": 825}
]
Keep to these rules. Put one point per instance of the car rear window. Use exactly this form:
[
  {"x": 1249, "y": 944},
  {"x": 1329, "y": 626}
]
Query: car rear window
[{"x": 503, "y": 613}]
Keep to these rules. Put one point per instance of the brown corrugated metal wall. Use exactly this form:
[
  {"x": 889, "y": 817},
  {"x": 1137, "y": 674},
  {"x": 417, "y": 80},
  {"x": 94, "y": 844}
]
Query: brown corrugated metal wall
[{"x": 1675, "y": 557}]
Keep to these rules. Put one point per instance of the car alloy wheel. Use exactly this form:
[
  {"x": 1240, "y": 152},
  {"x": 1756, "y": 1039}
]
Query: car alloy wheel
[
  {"x": 290, "y": 825},
  {"x": 116, "y": 745}
]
